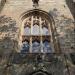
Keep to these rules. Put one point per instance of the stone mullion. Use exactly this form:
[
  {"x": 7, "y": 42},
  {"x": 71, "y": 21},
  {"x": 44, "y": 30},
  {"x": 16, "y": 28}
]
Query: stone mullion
[
  {"x": 31, "y": 34},
  {"x": 41, "y": 35}
]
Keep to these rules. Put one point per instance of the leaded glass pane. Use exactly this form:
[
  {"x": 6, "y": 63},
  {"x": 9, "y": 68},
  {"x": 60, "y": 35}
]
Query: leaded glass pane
[
  {"x": 26, "y": 31},
  {"x": 45, "y": 31},
  {"x": 25, "y": 47},
  {"x": 35, "y": 47},
  {"x": 36, "y": 30},
  {"x": 47, "y": 47}
]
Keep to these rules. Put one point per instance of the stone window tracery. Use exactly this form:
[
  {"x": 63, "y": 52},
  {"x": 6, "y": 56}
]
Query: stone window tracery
[{"x": 36, "y": 30}]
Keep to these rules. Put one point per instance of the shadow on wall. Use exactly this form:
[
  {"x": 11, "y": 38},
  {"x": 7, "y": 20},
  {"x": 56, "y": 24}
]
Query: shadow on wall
[
  {"x": 65, "y": 30},
  {"x": 71, "y": 6},
  {"x": 7, "y": 45},
  {"x": 2, "y": 3},
  {"x": 8, "y": 34}
]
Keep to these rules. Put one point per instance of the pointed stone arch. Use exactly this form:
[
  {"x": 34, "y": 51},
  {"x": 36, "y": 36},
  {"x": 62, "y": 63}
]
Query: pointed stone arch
[
  {"x": 40, "y": 72},
  {"x": 41, "y": 19}
]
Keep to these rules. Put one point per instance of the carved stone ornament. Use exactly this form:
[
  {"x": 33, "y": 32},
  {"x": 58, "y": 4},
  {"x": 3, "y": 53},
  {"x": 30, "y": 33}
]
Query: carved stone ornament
[{"x": 35, "y": 3}]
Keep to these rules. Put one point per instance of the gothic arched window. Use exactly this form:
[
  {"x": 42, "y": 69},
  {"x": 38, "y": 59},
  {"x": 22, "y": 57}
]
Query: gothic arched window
[{"x": 37, "y": 27}]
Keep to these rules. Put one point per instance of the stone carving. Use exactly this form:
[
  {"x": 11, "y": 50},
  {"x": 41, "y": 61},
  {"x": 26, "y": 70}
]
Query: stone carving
[
  {"x": 35, "y": 3},
  {"x": 31, "y": 66}
]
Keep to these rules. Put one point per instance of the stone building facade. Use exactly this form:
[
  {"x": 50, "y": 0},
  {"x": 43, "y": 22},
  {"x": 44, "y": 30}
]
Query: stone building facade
[{"x": 56, "y": 17}]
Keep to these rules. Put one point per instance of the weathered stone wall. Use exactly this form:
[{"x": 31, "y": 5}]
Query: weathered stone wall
[
  {"x": 8, "y": 34},
  {"x": 64, "y": 21},
  {"x": 65, "y": 32},
  {"x": 10, "y": 24}
]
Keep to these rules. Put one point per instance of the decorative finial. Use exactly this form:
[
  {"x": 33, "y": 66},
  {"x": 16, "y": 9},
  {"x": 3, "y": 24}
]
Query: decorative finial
[{"x": 35, "y": 3}]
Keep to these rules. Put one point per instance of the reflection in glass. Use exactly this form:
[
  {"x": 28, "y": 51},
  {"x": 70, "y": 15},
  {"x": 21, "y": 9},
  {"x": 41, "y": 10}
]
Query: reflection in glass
[
  {"x": 45, "y": 31},
  {"x": 27, "y": 30},
  {"x": 35, "y": 46},
  {"x": 46, "y": 46},
  {"x": 36, "y": 29},
  {"x": 25, "y": 47}
]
